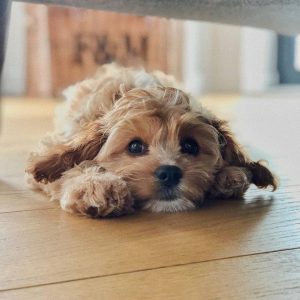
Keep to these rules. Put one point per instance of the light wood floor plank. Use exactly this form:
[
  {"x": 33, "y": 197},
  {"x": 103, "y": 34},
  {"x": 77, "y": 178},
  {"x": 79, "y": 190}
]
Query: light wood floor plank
[
  {"x": 24, "y": 122},
  {"x": 265, "y": 276},
  {"x": 43, "y": 246}
]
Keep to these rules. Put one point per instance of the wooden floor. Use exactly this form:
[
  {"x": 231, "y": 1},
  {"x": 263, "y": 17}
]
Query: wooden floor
[{"x": 232, "y": 250}]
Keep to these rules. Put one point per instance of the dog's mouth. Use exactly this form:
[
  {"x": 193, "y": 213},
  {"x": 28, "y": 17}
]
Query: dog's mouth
[
  {"x": 167, "y": 194},
  {"x": 161, "y": 196},
  {"x": 174, "y": 205},
  {"x": 164, "y": 199}
]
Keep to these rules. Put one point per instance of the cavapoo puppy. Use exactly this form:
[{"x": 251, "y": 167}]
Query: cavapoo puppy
[{"x": 127, "y": 139}]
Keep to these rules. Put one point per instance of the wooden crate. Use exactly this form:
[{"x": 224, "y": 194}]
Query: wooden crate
[{"x": 80, "y": 40}]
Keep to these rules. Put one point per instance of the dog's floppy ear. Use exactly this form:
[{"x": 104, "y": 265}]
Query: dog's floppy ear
[
  {"x": 58, "y": 158},
  {"x": 231, "y": 151},
  {"x": 233, "y": 154},
  {"x": 88, "y": 100}
]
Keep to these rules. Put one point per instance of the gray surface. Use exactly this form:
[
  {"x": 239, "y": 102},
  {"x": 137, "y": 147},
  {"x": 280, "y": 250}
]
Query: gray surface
[
  {"x": 4, "y": 16},
  {"x": 282, "y": 16}
]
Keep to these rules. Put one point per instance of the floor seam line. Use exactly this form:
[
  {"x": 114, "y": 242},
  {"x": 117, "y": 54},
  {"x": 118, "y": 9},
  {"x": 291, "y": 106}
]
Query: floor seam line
[
  {"x": 147, "y": 269},
  {"x": 26, "y": 210}
]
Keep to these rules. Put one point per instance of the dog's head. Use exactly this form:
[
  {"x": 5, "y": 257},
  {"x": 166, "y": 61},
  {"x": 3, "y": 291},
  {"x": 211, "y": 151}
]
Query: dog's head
[{"x": 167, "y": 153}]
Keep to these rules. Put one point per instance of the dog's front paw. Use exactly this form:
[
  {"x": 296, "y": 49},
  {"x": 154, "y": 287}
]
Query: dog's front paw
[
  {"x": 100, "y": 195},
  {"x": 231, "y": 182}
]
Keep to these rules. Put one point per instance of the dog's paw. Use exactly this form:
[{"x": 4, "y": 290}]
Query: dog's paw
[
  {"x": 231, "y": 182},
  {"x": 101, "y": 195}
]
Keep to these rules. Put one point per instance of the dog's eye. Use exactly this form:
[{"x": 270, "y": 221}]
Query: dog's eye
[
  {"x": 137, "y": 147},
  {"x": 189, "y": 146}
]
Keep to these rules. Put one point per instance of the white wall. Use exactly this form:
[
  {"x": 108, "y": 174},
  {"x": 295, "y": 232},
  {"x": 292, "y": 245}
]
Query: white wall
[
  {"x": 211, "y": 57},
  {"x": 197, "y": 40},
  {"x": 222, "y": 58},
  {"x": 14, "y": 71},
  {"x": 225, "y": 59},
  {"x": 258, "y": 69}
]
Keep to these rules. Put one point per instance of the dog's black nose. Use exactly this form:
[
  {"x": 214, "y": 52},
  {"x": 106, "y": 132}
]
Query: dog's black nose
[{"x": 168, "y": 175}]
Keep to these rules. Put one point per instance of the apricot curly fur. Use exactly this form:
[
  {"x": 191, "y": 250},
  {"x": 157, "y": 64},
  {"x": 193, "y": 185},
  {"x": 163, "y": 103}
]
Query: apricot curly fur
[{"x": 85, "y": 163}]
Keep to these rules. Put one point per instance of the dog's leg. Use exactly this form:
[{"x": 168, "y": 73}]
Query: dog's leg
[
  {"x": 230, "y": 182},
  {"x": 89, "y": 189}
]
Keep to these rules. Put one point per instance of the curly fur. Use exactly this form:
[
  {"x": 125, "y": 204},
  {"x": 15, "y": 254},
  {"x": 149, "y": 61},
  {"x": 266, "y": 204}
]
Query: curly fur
[{"x": 85, "y": 163}]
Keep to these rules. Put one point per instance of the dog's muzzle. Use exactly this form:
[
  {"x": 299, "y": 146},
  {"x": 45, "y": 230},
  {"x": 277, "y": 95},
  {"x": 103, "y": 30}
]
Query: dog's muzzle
[{"x": 168, "y": 178}]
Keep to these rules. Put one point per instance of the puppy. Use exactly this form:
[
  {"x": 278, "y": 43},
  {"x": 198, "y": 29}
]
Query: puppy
[{"x": 128, "y": 139}]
